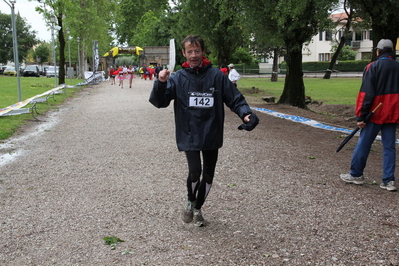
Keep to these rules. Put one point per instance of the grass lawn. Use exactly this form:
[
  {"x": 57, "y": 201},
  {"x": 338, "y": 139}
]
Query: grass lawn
[
  {"x": 328, "y": 91},
  {"x": 30, "y": 86}
]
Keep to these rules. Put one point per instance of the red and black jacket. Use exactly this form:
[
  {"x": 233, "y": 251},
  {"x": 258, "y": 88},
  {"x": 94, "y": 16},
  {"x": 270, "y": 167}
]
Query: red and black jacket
[{"x": 380, "y": 84}]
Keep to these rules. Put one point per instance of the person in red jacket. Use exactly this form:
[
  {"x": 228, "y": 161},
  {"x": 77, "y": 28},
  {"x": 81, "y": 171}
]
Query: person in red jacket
[
  {"x": 380, "y": 84},
  {"x": 111, "y": 75}
]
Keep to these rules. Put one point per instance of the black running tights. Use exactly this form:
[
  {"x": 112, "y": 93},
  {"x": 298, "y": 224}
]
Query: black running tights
[{"x": 198, "y": 189}]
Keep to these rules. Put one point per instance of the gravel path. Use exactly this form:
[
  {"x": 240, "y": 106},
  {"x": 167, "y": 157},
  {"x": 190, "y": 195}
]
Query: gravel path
[{"x": 106, "y": 164}]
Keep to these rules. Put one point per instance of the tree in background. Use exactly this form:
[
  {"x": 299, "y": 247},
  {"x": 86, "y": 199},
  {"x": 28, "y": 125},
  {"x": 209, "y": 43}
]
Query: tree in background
[
  {"x": 339, "y": 50},
  {"x": 383, "y": 16},
  {"x": 130, "y": 13},
  {"x": 148, "y": 34},
  {"x": 87, "y": 20},
  {"x": 42, "y": 53},
  {"x": 26, "y": 38},
  {"x": 216, "y": 21}
]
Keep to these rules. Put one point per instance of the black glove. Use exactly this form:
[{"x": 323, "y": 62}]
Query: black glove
[{"x": 254, "y": 121}]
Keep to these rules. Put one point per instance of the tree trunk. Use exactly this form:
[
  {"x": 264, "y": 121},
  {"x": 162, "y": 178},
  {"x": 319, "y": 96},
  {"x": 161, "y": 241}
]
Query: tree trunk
[
  {"x": 294, "y": 88},
  {"x": 327, "y": 75},
  {"x": 61, "y": 40},
  {"x": 275, "y": 66}
]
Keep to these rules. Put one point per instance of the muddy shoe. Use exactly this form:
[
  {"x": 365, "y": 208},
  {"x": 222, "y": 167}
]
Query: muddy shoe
[
  {"x": 187, "y": 214},
  {"x": 198, "y": 219},
  {"x": 352, "y": 179}
]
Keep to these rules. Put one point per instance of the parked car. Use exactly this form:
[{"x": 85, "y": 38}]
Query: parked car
[
  {"x": 2, "y": 68},
  {"x": 10, "y": 71},
  {"x": 51, "y": 72},
  {"x": 31, "y": 71}
]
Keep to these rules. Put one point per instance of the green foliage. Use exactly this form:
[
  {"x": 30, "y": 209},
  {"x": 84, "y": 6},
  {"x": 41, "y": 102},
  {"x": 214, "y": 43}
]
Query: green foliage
[
  {"x": 342, "y": 66},
  {"x": 26, "y": 38},
  {"x": 129, "y": 15},
  {"x": 42, "y": 53},
  {"x": 112, "y": 241},
  {"x": 125, "y": 61},
  {"x": 216, "y": 21},
  {"x": 346, "y": 53},
  {"x": 242, "y": 55},
  {"x": 148, "y": 34}
]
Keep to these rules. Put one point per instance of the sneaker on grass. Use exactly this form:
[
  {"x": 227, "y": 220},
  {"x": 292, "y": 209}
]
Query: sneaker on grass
[
  {"x": 352, "y": 179},
  {"x": 390, "y": 186},
  {"x": 198, "y": 219},
  {"x": 187, "y": 215}
]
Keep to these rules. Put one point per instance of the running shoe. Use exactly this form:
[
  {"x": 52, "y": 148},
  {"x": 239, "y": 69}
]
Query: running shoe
[
  {"x": 187, "y": 215},
  {"x": 352, "y": 179},
  {"x": 198, "y": 218},
  {"x": 388, "y": 186}
]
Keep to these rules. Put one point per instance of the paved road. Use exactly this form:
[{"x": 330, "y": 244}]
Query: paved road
[{"x": 106, "y": 164}]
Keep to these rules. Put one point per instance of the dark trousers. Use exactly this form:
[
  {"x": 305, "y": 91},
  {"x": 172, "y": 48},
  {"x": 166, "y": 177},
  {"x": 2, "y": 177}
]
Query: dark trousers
[{"x": 197, "y": 188}]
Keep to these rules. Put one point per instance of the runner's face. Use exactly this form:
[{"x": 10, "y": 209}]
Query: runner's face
[{"x": 193, "y": 53}]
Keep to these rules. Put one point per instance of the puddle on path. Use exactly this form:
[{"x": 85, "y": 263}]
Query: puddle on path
[{"x": 11, "y": 149}]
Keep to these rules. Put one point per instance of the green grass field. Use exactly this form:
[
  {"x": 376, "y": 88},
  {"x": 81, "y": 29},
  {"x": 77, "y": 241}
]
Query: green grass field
[
  {"x": 328, "y": 91},
  {"x": 30, "y": 86}
]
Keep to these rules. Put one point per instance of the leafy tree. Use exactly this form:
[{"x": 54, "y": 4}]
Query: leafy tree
[
  {"x": 242, "y": 55},
  {"x": 25, "y": 38},
  {"x": 338, "y": 50},
  {"x": 216, "y": 21},
  {"x": 130, "y": 13},
  {"x": 346, "y": 53},
  {"x": 383, "y": 16},
  {"x": 87, "y": 20},
  {"x": 42, "y": 52},
  {"x": 294, "y": 22},
  {"x": 148, "y": 33},
  {"x": 124, "y": 61}
]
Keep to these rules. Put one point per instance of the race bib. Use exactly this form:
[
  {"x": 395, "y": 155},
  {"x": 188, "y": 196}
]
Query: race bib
[{"x": 201, "y": 100}]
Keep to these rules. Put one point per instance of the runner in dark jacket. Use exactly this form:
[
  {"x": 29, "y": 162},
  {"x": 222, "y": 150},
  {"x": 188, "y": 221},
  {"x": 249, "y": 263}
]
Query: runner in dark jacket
[
  {"x": 199, "y": 92},
  {"x": 380, "y": 84}
]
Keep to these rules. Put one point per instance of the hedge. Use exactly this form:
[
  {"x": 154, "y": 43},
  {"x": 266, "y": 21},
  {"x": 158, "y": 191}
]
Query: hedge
[{"x": 342, "y": 66}]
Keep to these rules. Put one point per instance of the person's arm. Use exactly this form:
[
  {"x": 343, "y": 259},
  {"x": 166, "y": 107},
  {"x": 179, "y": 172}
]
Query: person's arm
[
  {"x": 160, "y": 97},
  {"x": 365, "y": 96}
]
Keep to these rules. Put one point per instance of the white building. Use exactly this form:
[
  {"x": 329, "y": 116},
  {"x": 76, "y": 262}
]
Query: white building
[{"x": 319, "y": 48}]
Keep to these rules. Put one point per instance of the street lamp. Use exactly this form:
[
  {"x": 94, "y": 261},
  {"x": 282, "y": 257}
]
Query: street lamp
[
  {"x": 11, "y": 4},
  {"x": 53, "y": 20},
  {"x": 70, "y": 70}
]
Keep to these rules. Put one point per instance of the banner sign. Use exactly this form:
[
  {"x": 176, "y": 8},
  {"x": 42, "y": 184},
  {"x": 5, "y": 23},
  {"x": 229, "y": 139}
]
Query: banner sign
[
  {"x": 27, "y": 101},
  {"x": 95, "y": 76}
]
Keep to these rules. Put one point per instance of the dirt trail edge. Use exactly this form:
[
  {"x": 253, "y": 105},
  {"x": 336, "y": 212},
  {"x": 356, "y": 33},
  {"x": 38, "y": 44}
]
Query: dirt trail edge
[{"x": 106, "y": 164}]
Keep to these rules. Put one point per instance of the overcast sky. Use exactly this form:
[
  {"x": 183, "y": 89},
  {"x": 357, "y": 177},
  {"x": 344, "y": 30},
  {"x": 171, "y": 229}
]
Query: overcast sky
[{"x": 27, "y": 10}]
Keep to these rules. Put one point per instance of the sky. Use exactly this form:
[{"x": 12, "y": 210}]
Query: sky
[{"x": 27, "y": 10}]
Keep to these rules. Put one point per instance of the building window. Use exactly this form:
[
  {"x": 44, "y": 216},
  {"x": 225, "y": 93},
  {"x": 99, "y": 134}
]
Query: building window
[
  {"x": 324, "y": 57},
  {"x": 328, "y": 35},
  {"x": 358, "y": 36},
  {"x": 365, "y": 35},
  {"x": 320, "y": 35},
  {"x": 264, "y": 60}
]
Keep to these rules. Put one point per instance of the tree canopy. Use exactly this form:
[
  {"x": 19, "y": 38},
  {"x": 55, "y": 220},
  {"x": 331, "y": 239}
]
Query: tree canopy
[{"x": 26, "y": 38}]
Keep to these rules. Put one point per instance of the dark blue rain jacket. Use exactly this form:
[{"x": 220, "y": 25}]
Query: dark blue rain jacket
[{"x": 199, "y": 96}]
